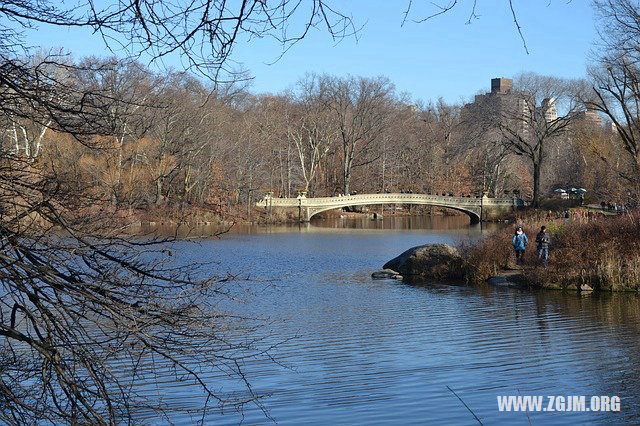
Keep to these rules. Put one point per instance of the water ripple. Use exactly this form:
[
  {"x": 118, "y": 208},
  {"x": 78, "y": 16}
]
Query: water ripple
[{"x": 384, "y": 352}]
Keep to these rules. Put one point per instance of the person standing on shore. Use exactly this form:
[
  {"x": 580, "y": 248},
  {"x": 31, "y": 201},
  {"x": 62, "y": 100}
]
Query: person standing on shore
[
  {"x": 543, "y": 245},
  {"x": 520, "y": 242}
]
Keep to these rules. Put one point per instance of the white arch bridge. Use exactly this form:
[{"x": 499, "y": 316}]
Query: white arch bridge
[{"x": 303, "y": 209}]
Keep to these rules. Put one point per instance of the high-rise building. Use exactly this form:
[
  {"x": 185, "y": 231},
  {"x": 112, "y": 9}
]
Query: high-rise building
[
  {"x": 549, "y": 109},
  {"x": 501, "y": 102},
  {"x": 501, "y": 85},
  {"x": 590, "y": 117}
]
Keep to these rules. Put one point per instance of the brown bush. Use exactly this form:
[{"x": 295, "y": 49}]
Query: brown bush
[{"x": 602, "y": 253}]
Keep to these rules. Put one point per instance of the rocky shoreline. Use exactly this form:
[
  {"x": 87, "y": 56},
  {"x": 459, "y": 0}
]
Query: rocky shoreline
[
  {"x": 444, "y": 262},
  {"x": 518, "y": 278}
]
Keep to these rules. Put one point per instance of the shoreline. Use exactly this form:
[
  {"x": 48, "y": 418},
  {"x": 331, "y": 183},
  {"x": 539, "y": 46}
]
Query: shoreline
[
  {"x": 586, "y": 254},
  {"x": 600, "y": 255},
  {"x": 518, "y": 279}
]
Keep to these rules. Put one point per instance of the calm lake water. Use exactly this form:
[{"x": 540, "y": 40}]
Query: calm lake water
[{"x": 361, "y": 351}]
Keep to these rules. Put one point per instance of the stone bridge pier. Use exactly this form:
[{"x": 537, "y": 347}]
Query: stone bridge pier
[{"x": 302, "y": 209}]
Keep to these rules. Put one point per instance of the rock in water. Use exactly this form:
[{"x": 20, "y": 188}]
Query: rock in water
[
  {"x": 430, "y": 261},
  {"x": 509, "y": 279},
  {"x": 586, "y": 288},
  {"x": 386, "y": 274}
]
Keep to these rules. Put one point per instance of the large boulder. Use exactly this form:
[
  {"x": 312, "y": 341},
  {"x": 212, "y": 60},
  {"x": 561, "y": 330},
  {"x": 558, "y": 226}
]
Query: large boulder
[{"x": 429, "y": 261}]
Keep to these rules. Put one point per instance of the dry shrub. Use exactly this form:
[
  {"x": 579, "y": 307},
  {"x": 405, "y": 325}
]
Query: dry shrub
[
  {"x": 485, "y": 258},
  {"x": 176, "y": 214},
  {"x": 604, "y": 254}
]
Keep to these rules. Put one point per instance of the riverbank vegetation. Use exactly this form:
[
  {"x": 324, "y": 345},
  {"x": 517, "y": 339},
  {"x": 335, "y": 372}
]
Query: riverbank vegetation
[
  {"x": 603, "y": 253},
  {"x": 172, "y": 143},
  {"x": 167, "y": 141}
]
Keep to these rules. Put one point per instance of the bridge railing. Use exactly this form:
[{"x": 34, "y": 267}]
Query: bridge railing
[{"x": 391, "y": 198}]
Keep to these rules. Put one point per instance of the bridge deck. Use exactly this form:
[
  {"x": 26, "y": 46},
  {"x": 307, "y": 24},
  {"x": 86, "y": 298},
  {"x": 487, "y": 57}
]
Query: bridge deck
[
  {"x": 393, "y": 198},
  {"x": 310, "y": 206}
]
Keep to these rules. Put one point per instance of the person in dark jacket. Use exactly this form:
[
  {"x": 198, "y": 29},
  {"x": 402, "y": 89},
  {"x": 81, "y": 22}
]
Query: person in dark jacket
[
  {"x": 520, "y": 242},
  {"x": 542, "y": 239}
]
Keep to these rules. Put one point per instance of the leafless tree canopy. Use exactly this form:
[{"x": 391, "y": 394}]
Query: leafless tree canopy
[
  {"x": 617, "y": 77},
  {"x": 527, "y": 121},
  {"x": 201, "y": 33},
  {"x": 78, "y": 300}
]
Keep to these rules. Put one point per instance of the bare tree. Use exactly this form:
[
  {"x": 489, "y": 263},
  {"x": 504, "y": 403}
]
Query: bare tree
[
  {"x": 616, "y": 80},
  {"x": 27, "y": 133},
  {"x": 201, "y": 33},
  {"x": 540, "y": 109},
  {"x": 361, "y": 109},
  {"x": 77, "y": 299},
  {"x": 76, "y": 306},
  {"x": 311, "y": 127},
  {"x": 120, "y": 92},
  {"x": 617, "y": 96}
]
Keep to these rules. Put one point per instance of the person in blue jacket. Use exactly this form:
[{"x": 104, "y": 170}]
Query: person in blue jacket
[{"x": 520, "y": 242}]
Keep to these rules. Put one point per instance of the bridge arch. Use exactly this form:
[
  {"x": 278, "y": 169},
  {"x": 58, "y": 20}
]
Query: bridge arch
[
  {"x": 302, "y": 208},
  {"x": 475, "y": 215}
]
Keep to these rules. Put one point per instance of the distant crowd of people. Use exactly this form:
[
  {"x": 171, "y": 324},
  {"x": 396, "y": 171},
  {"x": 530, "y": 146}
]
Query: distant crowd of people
[
  {"x": 579, "y": 215},
  {"x": 613, "y": 206}
]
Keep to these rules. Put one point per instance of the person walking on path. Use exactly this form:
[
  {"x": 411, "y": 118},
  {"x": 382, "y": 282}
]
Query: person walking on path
[
  {"x": 520, "y": 242},
  {"x": 543, "y": 245}
]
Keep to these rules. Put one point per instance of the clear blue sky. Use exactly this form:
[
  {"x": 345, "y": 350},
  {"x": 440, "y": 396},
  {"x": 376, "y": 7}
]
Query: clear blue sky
[{"x": 441, "y": 57}]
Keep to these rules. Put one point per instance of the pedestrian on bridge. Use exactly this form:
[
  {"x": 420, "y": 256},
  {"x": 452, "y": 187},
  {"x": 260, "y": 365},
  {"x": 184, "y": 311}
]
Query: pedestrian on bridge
[{"x": 520, "y": 242}]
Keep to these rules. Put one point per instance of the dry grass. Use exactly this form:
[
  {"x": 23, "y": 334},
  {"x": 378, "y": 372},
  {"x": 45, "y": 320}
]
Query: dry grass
[
  {"x": 604, "y": 254},
  {"x": 175, "y": 214}
]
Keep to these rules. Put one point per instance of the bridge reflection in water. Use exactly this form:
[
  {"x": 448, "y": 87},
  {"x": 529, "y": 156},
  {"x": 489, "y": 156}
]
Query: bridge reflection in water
[{"x": 303, "y": 209}]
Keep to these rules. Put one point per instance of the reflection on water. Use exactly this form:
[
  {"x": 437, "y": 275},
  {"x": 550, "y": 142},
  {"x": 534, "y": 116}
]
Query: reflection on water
[
  {"x": 336, "y": 224},
  {"x": 367, "y": 352}
]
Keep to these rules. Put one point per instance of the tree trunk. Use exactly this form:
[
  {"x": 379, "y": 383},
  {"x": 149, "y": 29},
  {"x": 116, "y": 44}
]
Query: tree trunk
[
  {"x": 289, "y": 183},
  {"x": 346, "y": 181},
  {"x": 159, "y": 184},
  {"x": 536, "y": 183},
  {"x": 118, "y": 171},
  {"x": 346, "y": 175},
  {"x": 187, "y": 184}
]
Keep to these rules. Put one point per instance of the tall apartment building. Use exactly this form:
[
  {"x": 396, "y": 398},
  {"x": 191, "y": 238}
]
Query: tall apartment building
[
  {"x": 590, "y": 117},
  {"x": 502, "y": 101},
  {"x": 501, "y": 85},
  {"x": 549, "y": 109},
  {"x": 501, "y": 88}
]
